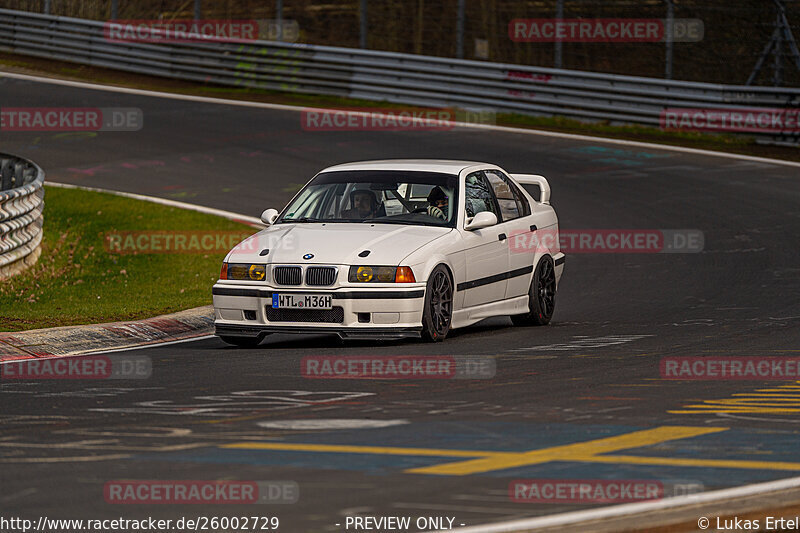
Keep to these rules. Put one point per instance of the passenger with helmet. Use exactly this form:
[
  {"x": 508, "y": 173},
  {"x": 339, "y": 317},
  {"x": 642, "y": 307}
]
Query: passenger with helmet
[{"x": 437, "y": 203}]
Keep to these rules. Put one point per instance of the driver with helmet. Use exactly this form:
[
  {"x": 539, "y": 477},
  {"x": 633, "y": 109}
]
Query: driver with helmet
[{"x": 363, "y": 203}]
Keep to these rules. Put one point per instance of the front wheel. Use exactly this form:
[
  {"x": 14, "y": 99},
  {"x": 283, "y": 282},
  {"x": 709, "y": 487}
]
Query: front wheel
[
  {"x": 242, "y": 342},
  {"x": 438, "y": 311},
  {"x": 541, "y": 296}
]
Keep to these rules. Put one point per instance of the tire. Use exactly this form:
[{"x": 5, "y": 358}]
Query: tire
[
  {"x": 437, "y": 314},
  {"x": 242, "y": 342},
  {"x": 541, "y": 296}
]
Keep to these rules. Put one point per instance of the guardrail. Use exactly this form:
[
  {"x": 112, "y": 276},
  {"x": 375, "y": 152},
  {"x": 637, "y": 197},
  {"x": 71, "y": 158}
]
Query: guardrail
[
  {"x": 393, "y": 77},
  {"x": 21, "y": 214}
]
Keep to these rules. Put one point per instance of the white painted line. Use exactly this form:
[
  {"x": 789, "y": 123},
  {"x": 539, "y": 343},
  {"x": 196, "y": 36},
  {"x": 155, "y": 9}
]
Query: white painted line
[
  {"x": 507, "y": 129},
  {"x": 629, "y": 509},
  {"x": 330, "y": 423},
  {"x": 111, "y": 350},
  {"x": 150, "y": 345},
  {"x": 253, "y": 221}
]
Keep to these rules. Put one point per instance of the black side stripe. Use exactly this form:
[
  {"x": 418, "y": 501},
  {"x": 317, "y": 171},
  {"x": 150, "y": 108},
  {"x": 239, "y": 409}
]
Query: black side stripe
[
  {"x": 561, "y": 260},
  {"x": 494, "y": 279},
  {"x": 351, "y": 295}
]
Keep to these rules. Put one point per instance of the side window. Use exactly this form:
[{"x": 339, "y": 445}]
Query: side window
[
  {"x": 512, "y": 203},
  {"x": 478, "y": 195},
  {"x": 524, "y": 206}
]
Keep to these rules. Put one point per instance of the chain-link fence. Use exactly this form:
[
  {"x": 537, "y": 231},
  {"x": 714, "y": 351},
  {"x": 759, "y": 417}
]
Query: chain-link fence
[{"x": 735, "y": 32}]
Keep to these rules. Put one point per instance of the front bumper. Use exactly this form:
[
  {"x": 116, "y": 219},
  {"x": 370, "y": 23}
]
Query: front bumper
[
  {"x": 382, "y": 313},
  {"x": 234, "y": 330}
]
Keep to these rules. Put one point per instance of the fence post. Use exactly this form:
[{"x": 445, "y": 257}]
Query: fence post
[
  {"x": 559, "y": 16},
  {"x": 46, "y": 7},
  {"x": 279, "y": 18},
  {"x": 362, "y": 18},
  {"x": 114, "y": 9},
  {"x": 460, "y": 30},
  {"x": 777, "y": 76},
  {"x": 197, "y": 11},
  {"x": 669, "y": 32}
]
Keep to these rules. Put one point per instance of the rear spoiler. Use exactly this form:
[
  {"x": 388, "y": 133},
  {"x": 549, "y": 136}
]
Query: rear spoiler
[{"x": 535, "y": 179}]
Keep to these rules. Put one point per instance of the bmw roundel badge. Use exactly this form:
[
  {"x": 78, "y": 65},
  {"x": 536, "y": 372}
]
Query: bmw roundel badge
[{"x": 308, "y": 256}]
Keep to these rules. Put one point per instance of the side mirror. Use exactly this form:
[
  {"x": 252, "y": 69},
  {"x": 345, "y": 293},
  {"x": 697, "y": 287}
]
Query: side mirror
[
  {"x": 269, "y": 216},
  {"x": 484, "y": 219}
]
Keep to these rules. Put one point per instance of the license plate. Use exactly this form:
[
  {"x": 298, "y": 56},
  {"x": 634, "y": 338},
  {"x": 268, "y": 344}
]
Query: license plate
[{"x": 302, "y": 301}]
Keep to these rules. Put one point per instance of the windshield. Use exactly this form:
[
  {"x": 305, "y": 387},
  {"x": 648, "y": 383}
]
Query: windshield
[{"x": 383, "y": 197}]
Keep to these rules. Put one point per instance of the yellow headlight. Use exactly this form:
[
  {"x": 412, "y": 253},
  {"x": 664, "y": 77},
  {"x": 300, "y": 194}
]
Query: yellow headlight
[
  {"x": 257, "y": 272},
  {"x": 237, "y": 271},
  {"x": 364, "y": 274},
  {"x": 385, "y": 274},
  {"x": 247, "y": 272}
]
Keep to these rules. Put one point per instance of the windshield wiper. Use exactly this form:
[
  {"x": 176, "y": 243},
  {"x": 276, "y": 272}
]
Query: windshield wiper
[
  {"x": 302, "y": 219},
  {"x": 400, "y": 222}
]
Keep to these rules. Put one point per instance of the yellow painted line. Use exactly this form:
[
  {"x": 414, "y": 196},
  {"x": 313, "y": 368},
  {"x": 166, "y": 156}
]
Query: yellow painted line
[
  {"x": 586, "y": 452},
  {"x": 770, "y": 394},
  {"x": 709, "y": 463},
  {"x": 741, "y": 410},
  {"x": 568, "y": 452},
  {"x": 744, "y": 402},
  {"x": 380, "y": 450}
]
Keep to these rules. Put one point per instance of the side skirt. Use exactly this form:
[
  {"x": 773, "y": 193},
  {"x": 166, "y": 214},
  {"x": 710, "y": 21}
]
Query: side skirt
[{"x": 471, "y": 315}]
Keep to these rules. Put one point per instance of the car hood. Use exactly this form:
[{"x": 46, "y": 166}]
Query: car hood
[{"x": 333, "y": 243}]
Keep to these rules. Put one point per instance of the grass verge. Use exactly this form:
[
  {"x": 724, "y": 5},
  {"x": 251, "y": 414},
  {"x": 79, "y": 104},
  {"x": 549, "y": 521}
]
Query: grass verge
[
  {"x": 738, "y": 144},
  {"x": 78, "y": 281}
]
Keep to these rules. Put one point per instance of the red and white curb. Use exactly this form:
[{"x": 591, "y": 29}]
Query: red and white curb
[{"x": 191, "y": 324}]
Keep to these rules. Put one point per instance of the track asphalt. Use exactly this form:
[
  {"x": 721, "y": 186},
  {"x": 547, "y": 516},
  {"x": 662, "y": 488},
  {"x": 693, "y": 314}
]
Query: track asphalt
[{"x": 580, "y": 399}]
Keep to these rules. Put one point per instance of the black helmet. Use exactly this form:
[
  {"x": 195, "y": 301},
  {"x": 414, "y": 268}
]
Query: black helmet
[{"x": 436, "y": 195}]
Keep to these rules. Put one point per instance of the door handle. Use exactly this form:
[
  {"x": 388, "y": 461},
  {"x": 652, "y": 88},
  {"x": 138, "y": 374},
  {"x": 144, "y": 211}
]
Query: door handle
[
  {"x": 502, "y": 236},
  {"x": 533, "y": 227}
]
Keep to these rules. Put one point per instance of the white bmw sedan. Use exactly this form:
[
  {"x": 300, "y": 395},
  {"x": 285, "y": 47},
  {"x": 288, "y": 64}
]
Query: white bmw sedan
[{"x": 392, "y": 249}]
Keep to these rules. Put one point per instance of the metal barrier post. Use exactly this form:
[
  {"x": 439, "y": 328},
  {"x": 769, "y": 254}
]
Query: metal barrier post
[
  {"x": 559, "y": 16},
  {"x": 669, "y": 33},
  {"x": 460, "y": 30},
  {"x": 362, "y": 34},
  {"x": 279, "y": 18}
]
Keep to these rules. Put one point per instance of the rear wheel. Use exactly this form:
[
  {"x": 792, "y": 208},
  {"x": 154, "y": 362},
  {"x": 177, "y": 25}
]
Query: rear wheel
[
  {"x": 242, "y": 342},
  {"x": 541, "y": 296},
  {"x": 438, "y": 311}
]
